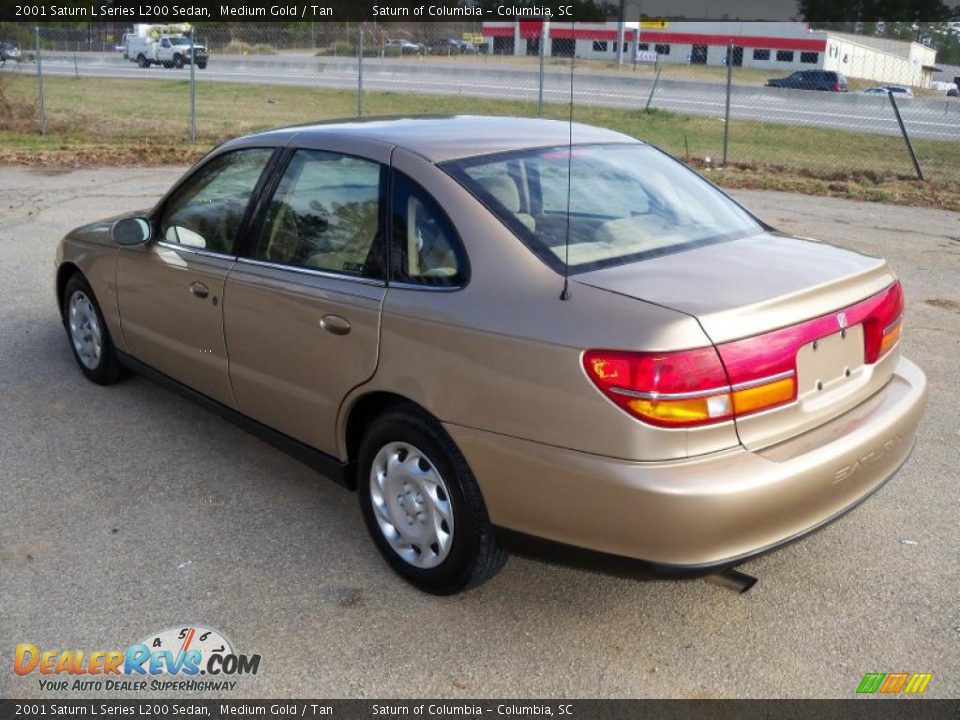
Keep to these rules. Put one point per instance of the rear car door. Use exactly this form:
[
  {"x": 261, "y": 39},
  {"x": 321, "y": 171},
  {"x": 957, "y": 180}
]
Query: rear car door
[
  {"x": 302, "y": 307},
  {"x": 170, "y": 290}
]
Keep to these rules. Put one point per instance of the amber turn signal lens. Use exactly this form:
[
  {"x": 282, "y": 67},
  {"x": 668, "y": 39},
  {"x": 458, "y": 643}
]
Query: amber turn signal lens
[
  {"x": 890, "y": 337},
  {"x": 763, "y": 396}
]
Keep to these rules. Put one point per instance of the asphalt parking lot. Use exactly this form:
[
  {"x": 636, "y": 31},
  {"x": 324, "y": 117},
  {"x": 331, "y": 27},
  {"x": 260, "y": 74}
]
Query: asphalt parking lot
[{"x": 127, "y": 509}]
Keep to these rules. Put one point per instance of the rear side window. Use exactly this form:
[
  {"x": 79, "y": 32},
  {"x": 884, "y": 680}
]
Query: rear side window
[
  {"x": 325, "y": 215},
  {"x": 426, "y": 249}
]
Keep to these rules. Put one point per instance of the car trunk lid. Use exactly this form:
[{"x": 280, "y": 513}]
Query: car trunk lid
[{"x": 813, "y": 301}]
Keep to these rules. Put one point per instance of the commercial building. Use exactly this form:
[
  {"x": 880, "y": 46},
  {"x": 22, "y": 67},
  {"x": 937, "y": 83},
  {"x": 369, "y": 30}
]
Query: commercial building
[{"x": 775, "y": 46}]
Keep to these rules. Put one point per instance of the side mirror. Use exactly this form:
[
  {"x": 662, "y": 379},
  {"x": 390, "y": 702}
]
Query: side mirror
[{"x": 131, "y": 231}]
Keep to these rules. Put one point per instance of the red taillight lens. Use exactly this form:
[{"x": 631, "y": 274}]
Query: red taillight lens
[
  {"x": 836, "y": 86},
  {"x": 668, "y": 389},
  {"x": 706, "y": 385},
  {"x": 881, "y": 328}
]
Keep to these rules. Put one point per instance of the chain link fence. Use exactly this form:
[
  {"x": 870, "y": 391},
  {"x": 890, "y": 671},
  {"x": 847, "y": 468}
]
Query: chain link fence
[{"x": 712, "y": 107}]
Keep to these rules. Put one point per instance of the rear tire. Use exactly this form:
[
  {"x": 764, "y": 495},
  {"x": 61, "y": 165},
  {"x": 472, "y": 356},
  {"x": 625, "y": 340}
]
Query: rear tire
[
  {"x": 142, "y": 61},
  {"x": 422, "y": 505},
  {"x": 88, "y": 335}
]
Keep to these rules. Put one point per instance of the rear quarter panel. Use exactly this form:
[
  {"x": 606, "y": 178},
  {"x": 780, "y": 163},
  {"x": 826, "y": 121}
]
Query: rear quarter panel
[{"x": 504, "y": 353}]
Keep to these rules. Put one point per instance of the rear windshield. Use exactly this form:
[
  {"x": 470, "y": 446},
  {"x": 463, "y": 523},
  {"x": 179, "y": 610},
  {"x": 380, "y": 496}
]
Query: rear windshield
[{"x": 626, "y": 202}]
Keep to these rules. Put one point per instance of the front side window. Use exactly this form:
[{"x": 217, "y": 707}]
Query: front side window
[
  {"x": 426, "y": 249},
  {"x": 207, "y": 210},
  {"x": 325, "y": 215},
  {"x": 626, "y": 202}
]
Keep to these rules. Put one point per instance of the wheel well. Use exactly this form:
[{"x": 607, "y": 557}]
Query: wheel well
[
  {"x": 363, "y": 412},
  {"x": 64, "y": 273}
]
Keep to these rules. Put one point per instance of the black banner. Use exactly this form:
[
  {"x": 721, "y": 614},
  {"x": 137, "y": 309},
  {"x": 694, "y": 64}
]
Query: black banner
[
  {"x": 198, "y": 11},
  {"x": 652, "y": 11},
  {"x": 161, "y": 709}
]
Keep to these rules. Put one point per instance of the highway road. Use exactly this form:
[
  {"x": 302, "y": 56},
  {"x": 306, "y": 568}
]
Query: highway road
[{"x": 928, "y": 118}]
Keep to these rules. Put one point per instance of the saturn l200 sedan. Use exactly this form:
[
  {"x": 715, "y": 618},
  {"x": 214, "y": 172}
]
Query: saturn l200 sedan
[{"x": 621, "y": 362}]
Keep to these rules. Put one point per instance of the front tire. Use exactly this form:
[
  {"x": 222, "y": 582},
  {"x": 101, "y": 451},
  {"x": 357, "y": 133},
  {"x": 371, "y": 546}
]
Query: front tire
[
  {"x": 88, "y": 335},
  {"x": 178, "y": 61},
  {"x": 422, "y": 505}
]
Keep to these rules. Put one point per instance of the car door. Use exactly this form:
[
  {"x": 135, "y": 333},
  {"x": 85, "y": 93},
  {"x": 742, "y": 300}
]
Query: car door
[
  {"x": 302, "y": 307},
  {"x": 170, "y": 290}
]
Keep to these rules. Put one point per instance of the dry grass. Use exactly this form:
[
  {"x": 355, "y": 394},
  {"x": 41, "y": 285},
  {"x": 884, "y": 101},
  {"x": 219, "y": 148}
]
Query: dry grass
[{"x": 97, "y": 121}]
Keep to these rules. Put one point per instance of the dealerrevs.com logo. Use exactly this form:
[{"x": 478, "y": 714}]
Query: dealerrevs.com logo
[{"x": 186, "y": 658}]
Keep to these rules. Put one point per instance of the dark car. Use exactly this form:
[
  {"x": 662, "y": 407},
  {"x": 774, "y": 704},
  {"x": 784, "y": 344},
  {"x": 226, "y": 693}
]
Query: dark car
[
  {"x": 451, "y": 46},
  {"x": 9, "y": 51},
  {"x": 811, "y": 80}
]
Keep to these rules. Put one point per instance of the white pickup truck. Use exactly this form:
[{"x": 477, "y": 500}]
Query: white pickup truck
[{"x": 167, "y": 50}]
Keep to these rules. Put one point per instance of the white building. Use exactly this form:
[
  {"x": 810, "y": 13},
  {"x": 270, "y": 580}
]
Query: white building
[{"x": 775, "y": 46}]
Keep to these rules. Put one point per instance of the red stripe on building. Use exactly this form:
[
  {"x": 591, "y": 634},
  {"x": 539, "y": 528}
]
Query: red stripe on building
[
  {"x": 532, "y": 28},
  {"x": 751, "y": 41},
  {"x": 562, "y": 33},
  {"x": 498, "y": 31}
]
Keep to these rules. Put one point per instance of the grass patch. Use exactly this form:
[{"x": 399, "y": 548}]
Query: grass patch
[{"x": 120, "y": 121}]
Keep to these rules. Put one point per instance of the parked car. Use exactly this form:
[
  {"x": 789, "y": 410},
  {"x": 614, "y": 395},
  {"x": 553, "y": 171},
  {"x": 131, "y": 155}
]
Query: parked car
[
  {"x": 450, "y": 46},
  {"x": 898, "y": 90},
  {"x": 641, "y": 369},
  {"x": 9, "y": 51},
  {"x": 811, "y": 80},
  {"x": 403, "y": 47}
]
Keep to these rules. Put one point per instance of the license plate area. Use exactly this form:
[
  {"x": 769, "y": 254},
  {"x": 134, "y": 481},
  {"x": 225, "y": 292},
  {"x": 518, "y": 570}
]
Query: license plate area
[{"x": 832, "y": 364}]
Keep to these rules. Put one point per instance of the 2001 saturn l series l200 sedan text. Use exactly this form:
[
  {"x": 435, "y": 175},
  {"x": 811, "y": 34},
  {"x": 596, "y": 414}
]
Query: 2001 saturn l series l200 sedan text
[{"x": 624, "y": 361}]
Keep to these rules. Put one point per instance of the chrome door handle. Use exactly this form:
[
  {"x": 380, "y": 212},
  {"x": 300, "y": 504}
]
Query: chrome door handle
[
  {"x": 198, "y": 289},
  {"x": 335, "y": 325}
]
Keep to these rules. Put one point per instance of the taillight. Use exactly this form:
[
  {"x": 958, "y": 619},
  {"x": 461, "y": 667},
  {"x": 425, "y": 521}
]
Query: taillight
[
  {"x": 669, "y": 389},
  {"x": 707, "y": 385},
  {"x": 836, "y": 86},
  {"x": 881, "y": 329},
  {"x": 682, "y": 389}
]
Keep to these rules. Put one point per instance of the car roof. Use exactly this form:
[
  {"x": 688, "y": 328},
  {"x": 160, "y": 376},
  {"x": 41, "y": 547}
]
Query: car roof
[{"x": 449, "y": 137}]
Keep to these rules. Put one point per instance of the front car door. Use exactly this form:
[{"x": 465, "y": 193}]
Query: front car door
[
  {"x": 170, "y": 291},
  {"x": 302, "y": 310}
]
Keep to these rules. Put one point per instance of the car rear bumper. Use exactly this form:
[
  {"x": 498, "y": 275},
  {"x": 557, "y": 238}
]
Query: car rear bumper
[{"x": 705, "y": 512}]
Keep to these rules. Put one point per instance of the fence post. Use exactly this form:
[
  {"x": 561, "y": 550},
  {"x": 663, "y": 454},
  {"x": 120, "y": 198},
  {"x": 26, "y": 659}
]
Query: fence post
[
  {"x": 543, "y": 51},
  {"x": 360, "y": 74},
  {"x": 193, "y": 86},
  {"x": 653, "y": 89},
  {"x": 726, "y": 112},
  {"x": 906, "y": 137},
  {"x": 43, "y": 112}
]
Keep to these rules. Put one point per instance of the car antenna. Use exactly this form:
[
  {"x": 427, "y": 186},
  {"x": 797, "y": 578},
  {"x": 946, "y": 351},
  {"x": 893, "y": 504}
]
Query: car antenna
[{"x": 565, "y": 293}]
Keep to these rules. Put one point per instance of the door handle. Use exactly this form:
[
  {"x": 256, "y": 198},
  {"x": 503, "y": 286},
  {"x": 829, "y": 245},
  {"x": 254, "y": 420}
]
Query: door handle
[
  {"x": 198, "y": 289},
  {"x": 335, "y": 325}
]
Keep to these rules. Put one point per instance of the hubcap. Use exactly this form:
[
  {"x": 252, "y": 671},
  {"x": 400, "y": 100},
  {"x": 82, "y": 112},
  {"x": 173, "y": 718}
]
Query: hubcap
[
  {"x": 84, "y": 330},
  {"x": 411, "y": 504}
]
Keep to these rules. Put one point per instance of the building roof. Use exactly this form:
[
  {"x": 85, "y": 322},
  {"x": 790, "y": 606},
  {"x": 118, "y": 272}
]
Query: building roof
[{"x": 440, "y": 138}]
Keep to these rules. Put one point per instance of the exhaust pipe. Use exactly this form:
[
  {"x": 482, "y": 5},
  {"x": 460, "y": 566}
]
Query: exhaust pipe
[{"x": 733, "y": 579}]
